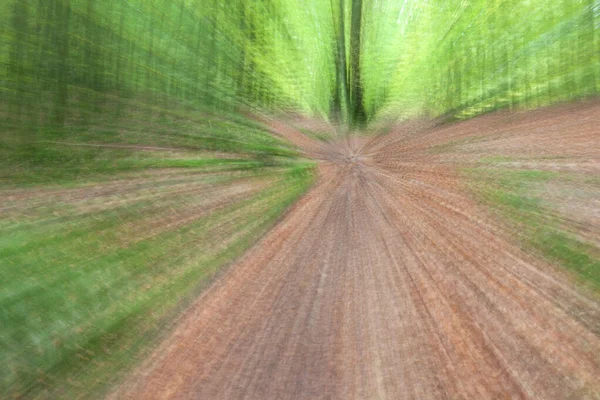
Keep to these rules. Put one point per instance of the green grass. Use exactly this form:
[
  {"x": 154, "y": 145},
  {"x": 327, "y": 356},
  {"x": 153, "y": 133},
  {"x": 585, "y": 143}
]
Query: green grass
[
  {"x": 118, "y": 231},
  {"x": 322, "y": 136},
  {"x": 82, "y": 298},
  {"x": 570, "y": 252},
  {"x": 517, "y": 194},
  {"x": 101, "y": 143}
]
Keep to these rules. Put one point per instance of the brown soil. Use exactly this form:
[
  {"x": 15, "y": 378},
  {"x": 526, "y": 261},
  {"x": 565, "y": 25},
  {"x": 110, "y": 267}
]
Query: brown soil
[{"x": 387, "y": 281}]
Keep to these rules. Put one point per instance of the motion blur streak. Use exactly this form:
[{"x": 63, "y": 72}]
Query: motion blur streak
[
  {"x": 429, "y": 169},
  {"x": 388, "y": 281}
]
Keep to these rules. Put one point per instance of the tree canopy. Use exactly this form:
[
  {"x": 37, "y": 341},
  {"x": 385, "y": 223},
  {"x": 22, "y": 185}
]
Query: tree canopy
[{"x": 357, "y": 59}]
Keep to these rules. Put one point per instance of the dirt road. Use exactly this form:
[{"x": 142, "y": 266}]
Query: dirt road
[{"x": 386, "y": 281}]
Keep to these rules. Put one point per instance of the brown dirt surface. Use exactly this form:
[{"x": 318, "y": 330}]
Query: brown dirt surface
[{"x": 387, "y": 280}]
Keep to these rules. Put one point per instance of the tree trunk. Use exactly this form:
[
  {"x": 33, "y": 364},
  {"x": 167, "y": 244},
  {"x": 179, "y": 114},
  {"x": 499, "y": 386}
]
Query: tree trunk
[
  {"x": 358, "y": 113},
  {"x": 341, "y": 101}
]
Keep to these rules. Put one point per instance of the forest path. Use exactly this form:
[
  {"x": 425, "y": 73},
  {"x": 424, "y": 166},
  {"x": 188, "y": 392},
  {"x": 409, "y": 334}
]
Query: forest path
[{"x": 385, "y": 281}]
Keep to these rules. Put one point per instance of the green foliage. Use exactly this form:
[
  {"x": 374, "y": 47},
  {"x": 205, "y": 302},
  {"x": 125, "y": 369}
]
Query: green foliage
[
  {"x": 154, "y": 101},
  {"x": 67, "y": 62},
  {"x": 90, "y": 281},
  {"x": 466, "y": 57}
]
